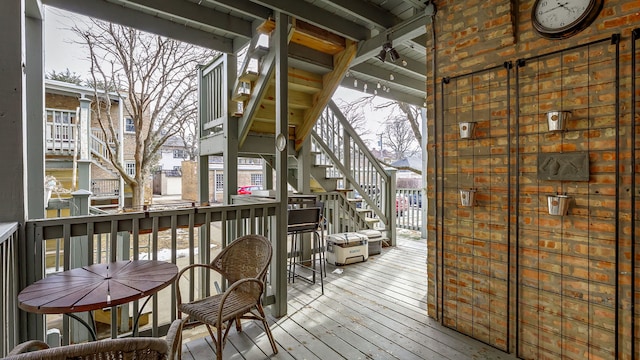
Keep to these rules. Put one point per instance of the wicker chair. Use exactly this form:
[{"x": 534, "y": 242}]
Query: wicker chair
[
  {"x": 141, "y": 348},
  {"x": 244, "y": 263}
]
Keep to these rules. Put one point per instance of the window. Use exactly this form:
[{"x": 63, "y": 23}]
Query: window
[
  {"x": 179, "y": 154},
  {"x": 129, "y": 127},
  {"x": 256, "y": 179},
  {"x": 130, "y": 168},
  {"x": 219, "y": 182}
]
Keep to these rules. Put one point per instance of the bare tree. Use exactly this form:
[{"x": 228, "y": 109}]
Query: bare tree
[
  {"x": 354, "y": 112},
  {"x": 399, "y": 137},
  {"x": 157, "y": 77}
]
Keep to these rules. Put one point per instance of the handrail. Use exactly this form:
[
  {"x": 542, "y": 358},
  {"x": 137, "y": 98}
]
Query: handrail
[
  {"x": 338, "y": 141},
  {"x": 99, "y": 147}
]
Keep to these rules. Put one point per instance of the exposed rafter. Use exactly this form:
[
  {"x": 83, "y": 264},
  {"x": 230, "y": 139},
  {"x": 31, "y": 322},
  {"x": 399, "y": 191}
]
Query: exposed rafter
[
  {"x": 244, "y": 7},
  {"x": 365, "y": 11},
  {"x": 193, "y": 12},
  {"x": 319, "y": 17},
  {"x": 407, "y": 30},
  {"x": 399, "y": 79},
  {"x": 391, "y": 95},
  {"x": 119, "y": 15}
]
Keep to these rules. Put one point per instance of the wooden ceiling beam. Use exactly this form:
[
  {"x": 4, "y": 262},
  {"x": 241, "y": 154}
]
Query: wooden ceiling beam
[
  {"x": 310, "y": 36},
  {"x": 330, "y": 83}
]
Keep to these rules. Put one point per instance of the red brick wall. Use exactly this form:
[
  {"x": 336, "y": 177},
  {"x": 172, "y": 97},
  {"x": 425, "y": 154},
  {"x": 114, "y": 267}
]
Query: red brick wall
[{"x": 508, "y": 273}]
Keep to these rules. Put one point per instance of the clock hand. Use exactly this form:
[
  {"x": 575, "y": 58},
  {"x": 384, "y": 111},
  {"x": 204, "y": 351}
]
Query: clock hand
[{"x": 550, "y": 10}]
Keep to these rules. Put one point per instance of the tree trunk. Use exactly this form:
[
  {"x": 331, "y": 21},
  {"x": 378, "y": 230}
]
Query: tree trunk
[{"x": 137, "y": 198}]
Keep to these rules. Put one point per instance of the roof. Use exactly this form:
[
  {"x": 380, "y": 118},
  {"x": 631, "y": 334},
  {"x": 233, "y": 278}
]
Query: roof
[
  {"x": 70, "y": 89},
  {"x": 414, "y": 162},
  {"x": 228, "y": 25}
]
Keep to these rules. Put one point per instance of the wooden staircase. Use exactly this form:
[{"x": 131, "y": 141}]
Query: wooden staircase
[{"x": 318, "y": 61}]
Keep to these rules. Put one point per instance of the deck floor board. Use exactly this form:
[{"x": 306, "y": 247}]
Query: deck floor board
[{"x": 372, "y": 310}]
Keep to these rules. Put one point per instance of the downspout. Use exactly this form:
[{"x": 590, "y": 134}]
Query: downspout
[
  {"x": 635, "y": 35},
  {"x": 431, "y": 11}
]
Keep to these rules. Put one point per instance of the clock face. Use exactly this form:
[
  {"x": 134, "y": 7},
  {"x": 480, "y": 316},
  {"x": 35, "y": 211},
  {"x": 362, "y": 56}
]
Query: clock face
[{"x": 563, "y": 18}]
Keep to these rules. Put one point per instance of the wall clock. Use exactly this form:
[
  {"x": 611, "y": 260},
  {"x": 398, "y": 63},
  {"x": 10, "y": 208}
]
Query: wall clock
[{"x": 559, "y": 19}]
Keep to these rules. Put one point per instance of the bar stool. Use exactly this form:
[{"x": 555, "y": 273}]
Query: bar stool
[{"x": 305, "y": 221}]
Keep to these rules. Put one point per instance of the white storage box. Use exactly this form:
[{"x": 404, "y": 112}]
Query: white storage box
[
  {"x": 347, "y": 248},
  {"x": 375, "y": 240}
]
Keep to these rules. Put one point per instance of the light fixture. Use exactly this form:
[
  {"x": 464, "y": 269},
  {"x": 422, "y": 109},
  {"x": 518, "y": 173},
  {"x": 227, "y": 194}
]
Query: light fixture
[
  {"x": 391, "y": 77},
  {"x": 393, "y": 54},
  {"x": 387, "y": 47},
  {"x": 379, "y": 85},
  {"x": 355, "y": 82},
  {"x": 404, "y": 62}
]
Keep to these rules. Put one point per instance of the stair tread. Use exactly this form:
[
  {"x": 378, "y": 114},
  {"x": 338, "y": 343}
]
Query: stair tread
[
  {"x": 354, "y": 200},
  {"x": 361, "y": 210},
  {"x": 327, "y": 166}
]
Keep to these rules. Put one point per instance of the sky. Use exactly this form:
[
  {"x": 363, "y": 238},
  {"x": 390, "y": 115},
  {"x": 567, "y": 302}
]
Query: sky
[{"x": 61, "y": 53}]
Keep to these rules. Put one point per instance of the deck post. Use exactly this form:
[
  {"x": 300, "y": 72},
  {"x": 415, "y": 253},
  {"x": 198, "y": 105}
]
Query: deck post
[
  {"x": 423, "y": 192},
  {"x": 84, "y": 130},
  {"x": 280, "y": 42},
  {"x": 79, "y": 257},
  {"x": 304, "y": 167},
  {"x": 231, "y": 143},
  {"x": 35, "y": 110}
]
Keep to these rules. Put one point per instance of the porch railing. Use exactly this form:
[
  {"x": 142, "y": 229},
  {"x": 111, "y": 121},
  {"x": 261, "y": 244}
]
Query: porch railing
[
  {"x": 213, "y": 97},
  {"x": 105, "y": 187},
  {"x": 60, "y": 137},
  {"x": 9, "y": 287},
  {"x": 409, "y": 208},
  {"x": 179, "y": 236}
]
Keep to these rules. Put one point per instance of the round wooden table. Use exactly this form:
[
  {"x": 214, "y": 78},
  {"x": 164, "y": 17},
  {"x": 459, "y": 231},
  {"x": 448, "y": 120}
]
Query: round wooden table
[{"x": 97, "y": 286}]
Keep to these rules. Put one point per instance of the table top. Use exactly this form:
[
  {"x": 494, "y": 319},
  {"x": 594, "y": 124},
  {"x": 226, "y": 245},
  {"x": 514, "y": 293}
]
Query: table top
[{"x": 97, "y": 286}]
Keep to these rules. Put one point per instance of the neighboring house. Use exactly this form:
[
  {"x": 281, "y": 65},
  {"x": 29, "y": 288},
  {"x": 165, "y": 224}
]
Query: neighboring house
[
  {"x": 65, "y": 139},
  {"x": 250, "y": 173},
  {"x": 167, "y": 180}
]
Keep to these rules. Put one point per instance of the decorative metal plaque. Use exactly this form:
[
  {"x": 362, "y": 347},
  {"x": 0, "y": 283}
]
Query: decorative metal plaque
[{"x": 567, "y": 166}]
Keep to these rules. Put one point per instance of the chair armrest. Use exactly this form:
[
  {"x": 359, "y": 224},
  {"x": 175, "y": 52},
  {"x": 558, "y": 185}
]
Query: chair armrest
[
  {"x": 234, "y": 288},
  {"x": 174, "y": 339},
  {"x": 28, "y": 346},
  {"x": 187, "y": 268}
]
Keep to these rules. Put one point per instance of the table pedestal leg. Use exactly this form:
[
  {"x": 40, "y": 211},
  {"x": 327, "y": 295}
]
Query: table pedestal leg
[{"x": 92, "y": 330}]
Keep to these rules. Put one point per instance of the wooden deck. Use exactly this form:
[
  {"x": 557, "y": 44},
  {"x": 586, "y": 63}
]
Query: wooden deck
[{"x": 373, "y": 310}]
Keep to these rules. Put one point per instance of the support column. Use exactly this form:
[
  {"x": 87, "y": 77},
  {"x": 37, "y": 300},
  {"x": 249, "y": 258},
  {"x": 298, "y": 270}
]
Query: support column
[
  {"x": 35, "y": 112},
  {"x": 304, "y": 167},
  {"x": 79, "y": 257},
  {"x": 267, "y": 172},
  {"x": 282, "y": 131},
  {"x": 121, "y": 157},
  {"x": 230, "y": 185},
  {"x": 425, "y": 156},
  {"x": 203, "y": 180},
  {"x": 84, "y": 129},
  {"x": 391, "y": 206},
  {"x": 13, "y": 149},
  {"x": 13, "y": 119}
]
